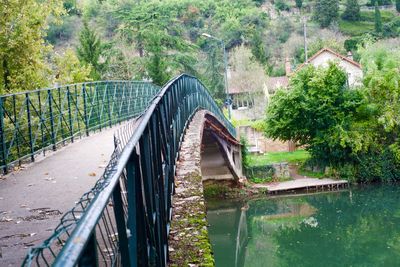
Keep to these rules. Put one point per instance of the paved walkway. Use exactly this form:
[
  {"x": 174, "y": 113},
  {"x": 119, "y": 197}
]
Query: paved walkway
[
  {"x": 303, "y": 183},
  {"x": 33, "y": 199}
]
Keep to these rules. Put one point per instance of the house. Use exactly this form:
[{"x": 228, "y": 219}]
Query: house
[
  {"x": 351, "y": 67},
  {"x": 250, "y": 96}
]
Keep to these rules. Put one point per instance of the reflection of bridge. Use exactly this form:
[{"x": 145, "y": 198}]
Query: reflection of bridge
[
  {"x": 124, "y": 219},
  {"x": 231, "y": 239}
]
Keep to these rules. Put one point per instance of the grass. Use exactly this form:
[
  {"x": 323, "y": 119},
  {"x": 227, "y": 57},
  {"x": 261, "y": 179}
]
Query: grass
[
  {"x": 297, "y": 156},
  {"x": 366, "y": 24},
  {"x": 258, "y": 180},
  {"x": 312, "y": 174}
]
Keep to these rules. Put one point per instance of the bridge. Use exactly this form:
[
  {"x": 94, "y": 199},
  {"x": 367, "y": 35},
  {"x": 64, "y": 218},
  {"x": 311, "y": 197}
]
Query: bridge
[{"x": 135, "y": 133}]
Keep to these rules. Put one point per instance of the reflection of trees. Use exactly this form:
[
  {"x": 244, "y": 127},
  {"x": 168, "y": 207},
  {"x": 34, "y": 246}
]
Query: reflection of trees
[
  {"x": 358, "y": 228},
  {"x": 364, "y": 232},
  {"x": 266, "y": 216}
]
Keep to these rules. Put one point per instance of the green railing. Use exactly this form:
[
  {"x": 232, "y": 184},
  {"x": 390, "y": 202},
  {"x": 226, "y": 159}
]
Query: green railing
[
  {"x": 124, "y": 220},
  {"x": 34, "y": 121}
]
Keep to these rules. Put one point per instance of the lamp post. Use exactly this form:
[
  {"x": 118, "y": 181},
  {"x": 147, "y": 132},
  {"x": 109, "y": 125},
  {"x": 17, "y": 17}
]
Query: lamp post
[{"x": 228, "y": 100}]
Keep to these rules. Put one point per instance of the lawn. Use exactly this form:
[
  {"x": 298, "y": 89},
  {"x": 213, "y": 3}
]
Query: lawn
[
  {"x": 366, "y": 24},
  {"x": 275, "y": 157}
]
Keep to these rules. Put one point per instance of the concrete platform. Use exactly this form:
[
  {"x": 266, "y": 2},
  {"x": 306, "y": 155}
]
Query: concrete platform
[{"x": 304, "y": 183}]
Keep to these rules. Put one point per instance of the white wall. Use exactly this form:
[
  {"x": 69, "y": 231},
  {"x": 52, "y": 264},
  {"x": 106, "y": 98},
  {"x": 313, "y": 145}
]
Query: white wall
[{"x": 354, "y": 73}]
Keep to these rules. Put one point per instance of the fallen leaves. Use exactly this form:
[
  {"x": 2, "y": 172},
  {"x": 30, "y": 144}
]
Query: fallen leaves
[{"x": 92, "y": 174}]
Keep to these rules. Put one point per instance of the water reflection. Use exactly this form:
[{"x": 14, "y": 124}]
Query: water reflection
[
  {"x": 229, "y": 233},
  {"x": 353, "y": 228}
]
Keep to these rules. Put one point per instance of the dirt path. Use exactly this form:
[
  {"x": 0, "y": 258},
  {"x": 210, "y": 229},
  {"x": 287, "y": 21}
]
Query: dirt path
[{"x": 294, "y": 172}]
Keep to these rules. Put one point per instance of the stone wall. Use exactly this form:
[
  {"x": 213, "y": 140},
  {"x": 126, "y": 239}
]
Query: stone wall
[
  {"x": 189, "y": 244},
  {"x": 258, "y": 143}
]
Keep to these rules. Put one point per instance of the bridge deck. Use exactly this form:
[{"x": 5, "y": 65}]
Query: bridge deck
[{"x": 33, "y": 199}]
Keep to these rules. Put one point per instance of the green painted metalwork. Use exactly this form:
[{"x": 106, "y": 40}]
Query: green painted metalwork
[
  {"x": 124, "y": 220},
  {"x": 35, "y": 121}
]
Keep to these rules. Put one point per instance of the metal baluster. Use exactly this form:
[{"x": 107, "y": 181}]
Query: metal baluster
[
  {"x": 2, "y": 136},
  {"x": 53, "y": 137},
  {"x": 85, "y": 109},
  {"x": 121, "y": 226},
  {"x": 71, "y": 126},
  {"x": 28, "y": 114}
]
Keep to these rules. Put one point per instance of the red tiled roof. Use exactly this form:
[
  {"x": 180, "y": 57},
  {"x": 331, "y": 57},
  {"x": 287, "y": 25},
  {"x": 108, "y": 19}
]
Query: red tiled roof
[{"x": 332, "y": 52}]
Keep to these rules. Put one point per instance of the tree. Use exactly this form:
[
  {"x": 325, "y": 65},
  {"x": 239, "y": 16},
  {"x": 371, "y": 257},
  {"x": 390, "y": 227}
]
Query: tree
[
  {"x": 398, "y": 5},
  {"x": 91, "y": 50},
  {"x": 317, "y": 112},
  {"x": 299, "y": 3},
  {"x": 159, "y": 40},
  {"x": 378, "y": 19},
  {"x": 352, "y": 12},
  {"x": 70, "y": 70},
  {"x": 214, "y": 76},
  {"x": 326, "y": 11},
  {"x": 258, "y": 48},
  {"x": 23, "y": 52}
]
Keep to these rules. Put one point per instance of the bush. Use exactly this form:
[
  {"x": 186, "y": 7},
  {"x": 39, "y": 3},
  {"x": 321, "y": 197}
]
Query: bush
[
  {"x": 392, "y": 28},
  {"x": 62, "y": 32},
  {"x": 379, "y": 166},
  {"x": 282, "y": 5},
  {"x": 245, "y": 153},
  {"x": 351, "y": 44}
]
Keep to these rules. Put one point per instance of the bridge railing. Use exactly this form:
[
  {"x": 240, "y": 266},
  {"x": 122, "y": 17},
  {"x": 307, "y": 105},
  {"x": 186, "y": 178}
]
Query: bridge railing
[
  {"x": 34, "y": 121},
  {"x": 124, "y": 220}
]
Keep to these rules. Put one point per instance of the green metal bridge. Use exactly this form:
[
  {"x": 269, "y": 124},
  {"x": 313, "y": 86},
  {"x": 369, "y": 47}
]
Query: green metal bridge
[{"x": 124, "y": 219}]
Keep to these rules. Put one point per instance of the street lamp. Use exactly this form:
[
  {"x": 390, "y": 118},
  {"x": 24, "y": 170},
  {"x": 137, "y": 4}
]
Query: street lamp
[{"x": 228, "y": 100}]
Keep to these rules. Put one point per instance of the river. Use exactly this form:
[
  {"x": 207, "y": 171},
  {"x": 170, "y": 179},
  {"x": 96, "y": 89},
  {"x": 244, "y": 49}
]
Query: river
[{"x": 356, "y": 227}]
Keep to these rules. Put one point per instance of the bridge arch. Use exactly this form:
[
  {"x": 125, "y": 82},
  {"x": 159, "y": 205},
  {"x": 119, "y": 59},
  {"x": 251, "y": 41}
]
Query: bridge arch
[
  {"x": 125, "y": 218},
  {"x": 220, "y": 152}
]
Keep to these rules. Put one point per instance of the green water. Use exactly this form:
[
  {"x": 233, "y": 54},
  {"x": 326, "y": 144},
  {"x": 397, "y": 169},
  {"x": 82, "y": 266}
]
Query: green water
[{"x": 359, "y": 227}]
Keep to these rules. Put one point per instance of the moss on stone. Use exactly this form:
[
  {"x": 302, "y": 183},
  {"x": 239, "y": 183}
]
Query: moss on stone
[{"x": 189, "y": 235}]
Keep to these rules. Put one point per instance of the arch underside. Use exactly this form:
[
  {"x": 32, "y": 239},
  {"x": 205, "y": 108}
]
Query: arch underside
[{"x": 220, "y": 152}]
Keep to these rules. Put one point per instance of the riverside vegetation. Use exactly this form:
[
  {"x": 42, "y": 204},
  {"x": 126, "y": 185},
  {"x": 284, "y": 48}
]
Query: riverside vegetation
[{"x": 353, "y": 133}]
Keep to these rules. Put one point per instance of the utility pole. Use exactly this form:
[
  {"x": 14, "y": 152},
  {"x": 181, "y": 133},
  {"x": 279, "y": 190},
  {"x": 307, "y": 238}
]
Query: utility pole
[{"x": 305, "y": 38}]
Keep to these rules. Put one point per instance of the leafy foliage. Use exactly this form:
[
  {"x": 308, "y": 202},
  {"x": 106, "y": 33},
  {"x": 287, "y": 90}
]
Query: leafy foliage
[
  {"x": 378, "y": 19},
  {"x": 299, "y": 3},
  {"x": 22, "y": 48},
  {"x": 91, "y": 50},
  {"x": 245, "y": 152},
  {"x": 326, "y": 11},
  {"x": 70, "y": 70},
  {"x": 282, "y": 5},
  {"x": 352, "y": 12},
  {"x": 355, "y": 132},
  {"x": 316, "y": 112}
]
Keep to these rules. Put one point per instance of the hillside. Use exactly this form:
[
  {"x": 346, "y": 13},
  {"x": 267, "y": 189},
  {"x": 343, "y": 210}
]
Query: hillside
[{"x": 159, "y": 39}]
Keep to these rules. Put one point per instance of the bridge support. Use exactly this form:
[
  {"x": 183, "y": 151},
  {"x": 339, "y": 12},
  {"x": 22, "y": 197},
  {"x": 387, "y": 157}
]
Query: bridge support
[
  {"x": 207, "y": 152},
  {"x": 221, "y": 157}
]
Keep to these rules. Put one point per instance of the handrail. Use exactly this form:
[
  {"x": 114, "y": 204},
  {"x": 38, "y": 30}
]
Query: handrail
[
  {"x": 35, "y": 121},
  {"x": 139, "y": 183}
]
